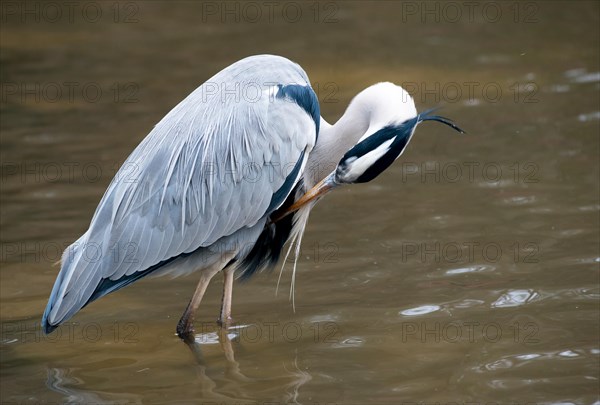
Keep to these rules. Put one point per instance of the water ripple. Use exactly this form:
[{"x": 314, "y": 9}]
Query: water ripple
[
  {"x": 581, "y": 75},
  {"x": 470, "y": 269},
  {"x": 353, "y": 341},
  {"x": 568, "y": 353},
  {"x": 468, "y": 303},
  {"x": 422, "y": 310},
  {"x": 593, "y": 116},
  {"x": 515, "y": 298}
]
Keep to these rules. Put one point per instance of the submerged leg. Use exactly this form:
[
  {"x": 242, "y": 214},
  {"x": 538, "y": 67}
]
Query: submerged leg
[{"x": 225, "y": 316}]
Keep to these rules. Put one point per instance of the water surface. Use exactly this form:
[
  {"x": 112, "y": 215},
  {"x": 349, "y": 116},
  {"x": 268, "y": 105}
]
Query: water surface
[{"x": 468, "y": 272}]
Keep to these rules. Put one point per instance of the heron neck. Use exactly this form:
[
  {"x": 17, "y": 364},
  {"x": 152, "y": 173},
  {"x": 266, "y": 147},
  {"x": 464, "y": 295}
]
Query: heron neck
[{"x": 334, "y": 141}]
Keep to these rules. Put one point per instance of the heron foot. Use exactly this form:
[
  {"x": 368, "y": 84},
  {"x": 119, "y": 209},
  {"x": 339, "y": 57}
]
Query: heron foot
[{"x": 185, "y": 330}]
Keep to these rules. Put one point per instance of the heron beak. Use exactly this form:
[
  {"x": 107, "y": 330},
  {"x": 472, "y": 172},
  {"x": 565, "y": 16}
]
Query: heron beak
[
  {"x": 320, "y": 189},
  {"x": 426, "y": 116}
]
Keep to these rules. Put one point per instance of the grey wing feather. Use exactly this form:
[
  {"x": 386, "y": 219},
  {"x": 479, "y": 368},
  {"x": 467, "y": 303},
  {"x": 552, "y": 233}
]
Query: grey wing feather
[{"x": 207, "y": 170}]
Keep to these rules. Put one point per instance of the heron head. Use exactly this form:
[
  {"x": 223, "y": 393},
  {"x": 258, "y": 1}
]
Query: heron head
[
  {"x": 371, "y": 155},
  {"x": 384, "y": 103},
  {"x": 377, "y": 151}
]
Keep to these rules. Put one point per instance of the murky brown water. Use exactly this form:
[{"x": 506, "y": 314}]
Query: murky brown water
[{"x": 467, "y": 273}]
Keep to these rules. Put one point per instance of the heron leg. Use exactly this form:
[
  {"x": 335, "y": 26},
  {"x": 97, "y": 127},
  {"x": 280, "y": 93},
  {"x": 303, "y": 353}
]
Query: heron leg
[
  {"x": 185, "y": 327},
  {"x": 225, "y": 316}
]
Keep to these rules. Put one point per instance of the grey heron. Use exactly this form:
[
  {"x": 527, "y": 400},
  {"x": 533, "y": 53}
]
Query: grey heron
[{"x": 225, "y": 179}]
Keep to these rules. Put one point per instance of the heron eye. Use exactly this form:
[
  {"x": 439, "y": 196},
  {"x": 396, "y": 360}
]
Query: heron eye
[{"x": 348, "y": 161}]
